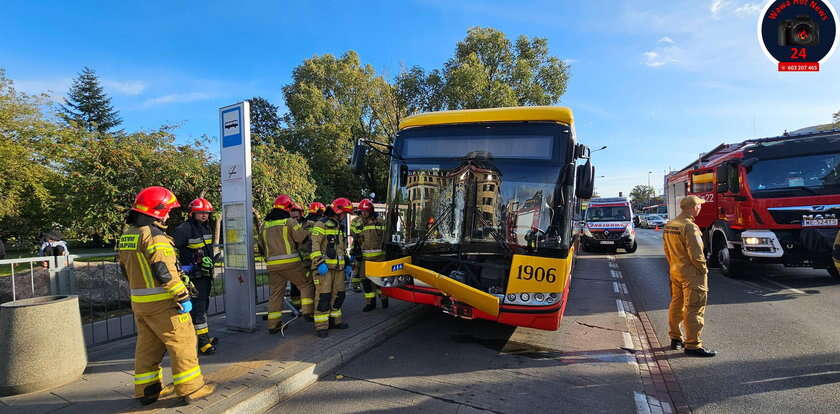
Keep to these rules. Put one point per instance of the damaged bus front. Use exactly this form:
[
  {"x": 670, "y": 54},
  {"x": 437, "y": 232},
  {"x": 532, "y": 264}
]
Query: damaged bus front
[{"x": 480, "y": 213}]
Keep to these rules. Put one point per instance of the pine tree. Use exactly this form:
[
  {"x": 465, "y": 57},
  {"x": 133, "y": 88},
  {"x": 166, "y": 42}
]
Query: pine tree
[{"x": 88, "y": 106}]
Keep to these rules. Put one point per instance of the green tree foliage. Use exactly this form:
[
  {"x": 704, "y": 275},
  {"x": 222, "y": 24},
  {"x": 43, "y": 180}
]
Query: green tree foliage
[
  {"x": 836, "y": 119},
  {"x": 488, "y": 70},
  {"x": 642, "y": 196},
  {"x": 87, "y": 106},
  {"x": 277, "y": 171},
  {"x": 26, "y": 145},
  {"x": 265, "y": 121},
  {"x": 104, "y": 172}
]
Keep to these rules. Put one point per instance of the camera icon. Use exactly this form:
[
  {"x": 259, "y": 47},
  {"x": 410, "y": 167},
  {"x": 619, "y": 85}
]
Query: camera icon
[{"x": 801, "y": 31}]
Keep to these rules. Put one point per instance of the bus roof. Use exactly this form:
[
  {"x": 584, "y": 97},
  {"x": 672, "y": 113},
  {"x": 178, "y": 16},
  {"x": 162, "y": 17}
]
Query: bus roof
[{"x": 518, "y": 113}]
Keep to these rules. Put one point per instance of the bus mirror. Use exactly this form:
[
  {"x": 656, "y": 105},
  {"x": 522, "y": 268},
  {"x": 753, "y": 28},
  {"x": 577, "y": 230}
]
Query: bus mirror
[
  {"x": 585, "y": 184},
  {"x": 403, "y": 175},
  {"x": 582, "y": 151},
  {"x": 357, "y": 161}
]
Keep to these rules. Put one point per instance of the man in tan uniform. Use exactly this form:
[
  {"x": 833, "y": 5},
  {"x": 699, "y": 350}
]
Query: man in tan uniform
[
  {"x": 160, "y": 302},
  {"x": 280, "y": 238},
  {"x": 683, "y": 244}
]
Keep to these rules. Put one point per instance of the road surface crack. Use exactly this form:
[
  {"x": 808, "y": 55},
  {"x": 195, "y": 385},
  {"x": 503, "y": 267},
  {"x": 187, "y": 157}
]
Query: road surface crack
[
  {"x": 598, "y": 327},
  {"x": 447, "y": 400}
]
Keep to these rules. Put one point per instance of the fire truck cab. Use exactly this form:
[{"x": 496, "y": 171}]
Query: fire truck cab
[{"x": 769, "y": 200}]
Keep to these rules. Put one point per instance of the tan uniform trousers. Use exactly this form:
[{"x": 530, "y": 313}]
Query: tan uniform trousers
[
  {"x": 329, "y": 291},
  {"x": 688, "y": 305},
  {"x": 166, "y": 332},
  {"x": 277, "y": 279}
]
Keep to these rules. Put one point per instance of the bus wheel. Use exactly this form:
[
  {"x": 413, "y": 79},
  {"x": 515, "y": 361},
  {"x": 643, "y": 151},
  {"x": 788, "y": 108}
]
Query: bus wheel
[
  {"x": 832, "y": 271},
  {"x": 729, "y": 266},
  {"x": 632, "y": 249}
]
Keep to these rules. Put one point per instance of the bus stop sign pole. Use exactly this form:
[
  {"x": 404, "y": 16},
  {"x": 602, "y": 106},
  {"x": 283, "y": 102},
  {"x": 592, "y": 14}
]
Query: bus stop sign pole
[{"x": 239, "y": 280}]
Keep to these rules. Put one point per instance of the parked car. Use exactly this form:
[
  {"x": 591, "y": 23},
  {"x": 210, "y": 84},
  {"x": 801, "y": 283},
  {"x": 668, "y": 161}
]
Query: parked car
[{"x": 652, "y": 220}]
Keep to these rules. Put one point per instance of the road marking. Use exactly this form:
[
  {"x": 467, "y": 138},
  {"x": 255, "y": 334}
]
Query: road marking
[
  {"x": 628, "y": 341},
  {"x": 783, "y": 286},
  {"x": 615, "y": 287},
  {"x": 615, "y": 274},
  {"x": 642, "y": 406},
  {"x": 620, "y": 307},
  {"x": 629, "y": 306},
  {"x": 624, "y": 289}
]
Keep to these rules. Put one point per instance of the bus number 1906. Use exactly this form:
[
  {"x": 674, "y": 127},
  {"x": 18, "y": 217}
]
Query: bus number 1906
[{"x": 537, "y": 273}]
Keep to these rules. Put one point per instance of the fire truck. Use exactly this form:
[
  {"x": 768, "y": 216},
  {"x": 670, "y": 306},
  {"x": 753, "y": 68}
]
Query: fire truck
[{"x": 769, "y": 200}]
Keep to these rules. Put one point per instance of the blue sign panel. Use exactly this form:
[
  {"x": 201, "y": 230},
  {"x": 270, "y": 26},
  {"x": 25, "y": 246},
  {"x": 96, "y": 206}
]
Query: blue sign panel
[{"x": 231, "y": 128}]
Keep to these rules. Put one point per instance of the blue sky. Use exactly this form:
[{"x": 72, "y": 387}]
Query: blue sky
[{"x": 657, "y": 82}]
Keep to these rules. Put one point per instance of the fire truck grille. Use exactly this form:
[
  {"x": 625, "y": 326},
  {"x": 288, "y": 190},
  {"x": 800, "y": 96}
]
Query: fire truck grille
[{"x": 795, "y": 216}]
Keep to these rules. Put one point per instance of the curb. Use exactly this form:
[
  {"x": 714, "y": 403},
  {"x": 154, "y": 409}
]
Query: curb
[{"x": 296, "y": 376}]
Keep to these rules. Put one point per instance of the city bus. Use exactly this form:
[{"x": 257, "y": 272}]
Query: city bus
[{"x": 480, "y": 212}]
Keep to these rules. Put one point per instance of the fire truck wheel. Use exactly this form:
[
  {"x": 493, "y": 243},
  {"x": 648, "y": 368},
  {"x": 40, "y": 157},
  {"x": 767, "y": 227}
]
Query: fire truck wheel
[{"x": 729, "y": 266}]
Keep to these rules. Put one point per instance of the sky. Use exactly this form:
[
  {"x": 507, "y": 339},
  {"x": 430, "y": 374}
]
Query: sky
[{"x": 656, "y": 82}]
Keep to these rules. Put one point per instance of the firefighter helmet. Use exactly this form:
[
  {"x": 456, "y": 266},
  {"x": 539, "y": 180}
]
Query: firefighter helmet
[
  {"x": 155, "y": 202},
  {"x": 316, "y": 208},
  {"x": 366, "y": 205},
  {"x": 341, "y": 205},
  {"x": 283, "y": 202},
  {"x": 201, "y": 205}
]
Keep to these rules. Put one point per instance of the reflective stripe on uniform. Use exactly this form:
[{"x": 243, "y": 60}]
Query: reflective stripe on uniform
[
  {"x": 314, "y": 255},
  {"x": 306, "y": 301},
  {"x": 145, "y": 269},
  {"x": 206, "y": 347},
  {"x": 177, "y": 288},
  {"x": 322, "y": 317},
  {"x": 334, "y": 261},
  {"x": 321, "y": 230},
  {"x": 159, "y": 246},
  {"x": 147, "y": 377},
  {"x": 202, "y": 331},
  {"x": 356, "y": 279},
  {"x": 280, "y": 259},
  {"x": 370, "y": 295},
  {"x": 274, "y": 223},
  {"x": 366, "y": 228},
  {"x": 187, "y": 375},
  {"x": 372, "y": 253},
  {"x": 335, "y": 314},
  {"x": 275, "y": 315},
  {"x": 150, "y": 295}
]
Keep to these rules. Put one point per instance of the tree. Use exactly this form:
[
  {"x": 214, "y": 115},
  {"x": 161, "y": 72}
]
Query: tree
[
  {"x": 277, "y": 171},
  {"x": 87, "y": 106},
  {"x": 265, "y": 121},
  {"x": 836, "y": 119},
  {"x": 418, "y": 91},
  {"x": 641, "y": 196},
  {"x": 489, "y": 71}
]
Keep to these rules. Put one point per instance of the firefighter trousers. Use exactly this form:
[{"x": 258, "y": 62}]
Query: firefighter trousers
[
  {"x": 201, "y": 302},
  {"x": 371, "y": 289},
  {"x": 277, "y": 279},
  {"x": 169, "y": 332},
  {"x": 329, "y": 291},
  {"x": 688, "y": 306}
]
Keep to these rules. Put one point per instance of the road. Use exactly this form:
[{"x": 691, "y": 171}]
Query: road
[{"x": 776, "y": 332}]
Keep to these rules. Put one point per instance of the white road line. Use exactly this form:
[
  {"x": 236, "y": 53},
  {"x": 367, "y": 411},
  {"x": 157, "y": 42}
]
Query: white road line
[
  {"x": 629, "y": 306},
  {"x": 615, "y": 288},
  {"x": 624, "y": 289},
  {"x": 628, "y": 341},
  {"x": 620, "y": 307},
  {"x": 615, "y": 274},
  {"x": 783, "y": 286},
  {"x": 642, "y": 406}
]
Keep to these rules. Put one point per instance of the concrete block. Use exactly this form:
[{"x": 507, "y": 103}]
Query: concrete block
[{"x": 42, "y": 345}]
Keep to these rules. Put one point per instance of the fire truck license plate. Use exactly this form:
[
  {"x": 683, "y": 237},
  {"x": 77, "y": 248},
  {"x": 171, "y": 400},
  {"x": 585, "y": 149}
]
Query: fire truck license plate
[
  {"x": 819, "y": 222},
  {"x": 607, "y": 242}
]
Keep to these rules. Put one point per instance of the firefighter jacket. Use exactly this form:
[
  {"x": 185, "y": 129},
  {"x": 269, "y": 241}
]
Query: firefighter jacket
[
  {"x": 280, "y": 238},
  {"x": 147, "y": 258},
  {"x": 683, "y": 243},
  {"x": 368, "y": 236},
  {"x": 194, "y": 241},
  {"x": 306, "y": 246},
  {"x": 836, "y": 251},
  {"x": 329, "y": 244}
]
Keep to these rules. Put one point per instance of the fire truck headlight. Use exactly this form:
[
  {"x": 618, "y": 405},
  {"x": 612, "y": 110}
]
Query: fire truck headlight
[{"x": 757, "y": 241}]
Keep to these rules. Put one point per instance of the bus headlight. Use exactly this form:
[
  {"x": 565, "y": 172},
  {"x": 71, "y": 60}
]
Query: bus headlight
[{"x": 532, "y": 299}]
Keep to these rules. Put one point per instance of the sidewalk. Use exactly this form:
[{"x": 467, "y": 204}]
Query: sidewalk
[{"x": 253, "y": 371}]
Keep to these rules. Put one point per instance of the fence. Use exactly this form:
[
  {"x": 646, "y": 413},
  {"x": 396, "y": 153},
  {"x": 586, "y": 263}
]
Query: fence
[{"x": 103, "y": 291}]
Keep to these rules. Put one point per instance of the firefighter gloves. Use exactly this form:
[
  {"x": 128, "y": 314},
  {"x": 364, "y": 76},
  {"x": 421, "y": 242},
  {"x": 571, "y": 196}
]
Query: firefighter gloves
[
  {"x": 322, "y": 269},
  {"x": 185, "y": 306}
]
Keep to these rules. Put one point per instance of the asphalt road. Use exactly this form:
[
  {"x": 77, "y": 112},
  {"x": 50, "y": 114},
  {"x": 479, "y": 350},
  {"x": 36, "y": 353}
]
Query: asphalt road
[
  {"x": 446, "y": 365},
  {"x": 778, "y": 334}
]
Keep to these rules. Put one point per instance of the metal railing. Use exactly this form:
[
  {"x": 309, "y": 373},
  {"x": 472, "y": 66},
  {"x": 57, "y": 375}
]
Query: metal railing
[{"x": 103, "y": 291}]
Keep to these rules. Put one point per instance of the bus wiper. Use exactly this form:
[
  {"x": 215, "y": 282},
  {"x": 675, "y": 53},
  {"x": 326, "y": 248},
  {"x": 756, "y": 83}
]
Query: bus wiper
[
  {"x": 493, "y": 232},
  {"x": 431, "y": 229}
]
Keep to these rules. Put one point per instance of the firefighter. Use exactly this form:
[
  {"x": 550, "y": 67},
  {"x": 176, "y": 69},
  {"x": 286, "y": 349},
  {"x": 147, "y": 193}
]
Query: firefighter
[
  {"x": 836, "y": 252},
  {"x": 160, "y": 302},
  {"x": 280, "y": 237},
  {"x": 356, "y": 275},
  {"x": 294, "y": 292},
  {"x": 683, "y": 243},
  {"x": 194, "y": 240},
  {"x": 368, "y": 230},
  {"x": 328, "y": 260},
  {"x": 315, "y": 212}
]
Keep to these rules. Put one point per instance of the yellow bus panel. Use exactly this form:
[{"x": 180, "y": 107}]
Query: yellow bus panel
[{"x": 511, "y": 114}]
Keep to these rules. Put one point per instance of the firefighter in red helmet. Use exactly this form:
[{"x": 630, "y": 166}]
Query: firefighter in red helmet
[
  {"x": 329, "y": 245},
  {"x": 194, "y": 240},
  {"x": 160, "y": 302},
  {"x": 368, "y": 230},
  {"x": 281, "y": 237}
]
